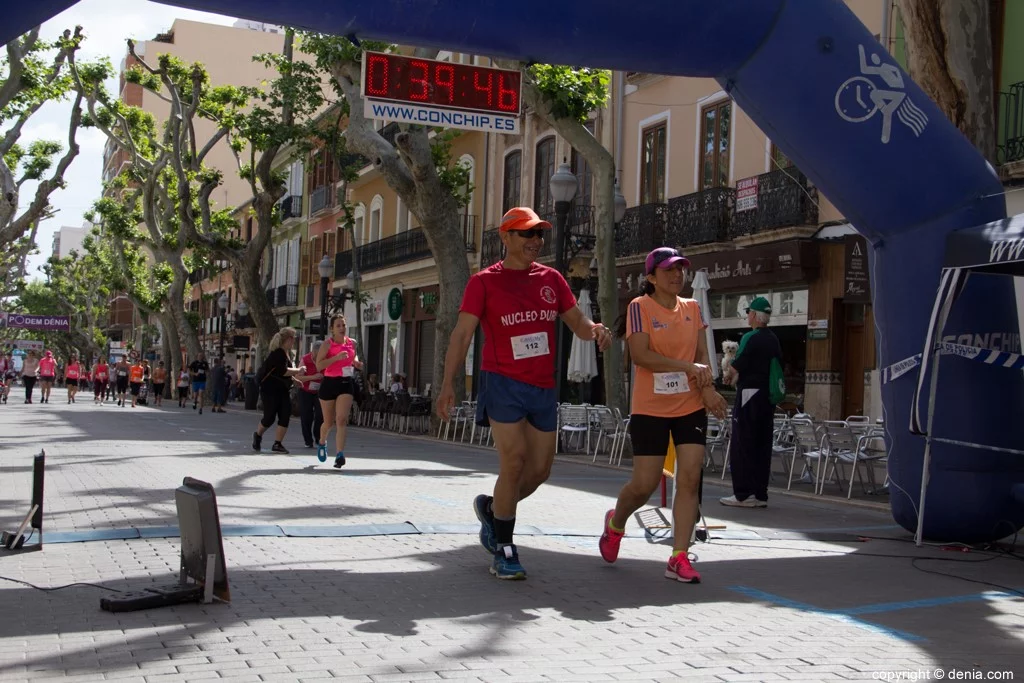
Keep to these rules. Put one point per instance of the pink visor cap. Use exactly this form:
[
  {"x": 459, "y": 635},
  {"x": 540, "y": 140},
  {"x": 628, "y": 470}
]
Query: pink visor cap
[{"x": 665, "y": 257}]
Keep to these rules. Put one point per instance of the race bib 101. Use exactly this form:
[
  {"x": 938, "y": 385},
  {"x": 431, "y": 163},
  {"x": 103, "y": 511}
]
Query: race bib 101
[
  {"x": 671, "y": 383},
  {"x": 530, "y": 345}
]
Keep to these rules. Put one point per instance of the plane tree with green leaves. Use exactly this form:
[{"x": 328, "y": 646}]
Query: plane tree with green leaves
[
  {"x": 260, "y": 124},
  {"x": 565, "y": 97},
  {"x": 418, "y": 168},
  {"x": 32, "y": 72},
  {"x": 122, "y": 248},
  {"x": 150, "y": 207},
  {"x": 80, "y": 284}
]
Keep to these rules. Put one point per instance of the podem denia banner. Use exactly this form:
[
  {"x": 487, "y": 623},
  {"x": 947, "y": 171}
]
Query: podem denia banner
[{"x": 27, "y": 321}]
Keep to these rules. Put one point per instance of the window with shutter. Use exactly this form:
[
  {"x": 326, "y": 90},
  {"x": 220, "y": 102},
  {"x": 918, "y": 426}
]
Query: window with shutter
[
  {"x": 295, "y": 179},
  {"x": 304, "y": 266},
  {"x": 293, "y": 261},
  {"x": 280, "y": 264},
  {"x": 315, "y": 254}
]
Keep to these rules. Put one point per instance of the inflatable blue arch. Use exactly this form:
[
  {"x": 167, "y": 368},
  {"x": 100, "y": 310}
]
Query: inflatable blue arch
[{"x": 818, "y": 83}]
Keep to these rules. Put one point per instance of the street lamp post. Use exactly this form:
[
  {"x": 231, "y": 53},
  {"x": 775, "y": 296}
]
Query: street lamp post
[
  {"x": 223, "y": 302},
  {"x": 326, "y": 269},
  {"x": 241, "y": 321},
  {"x": 563, "y": 190}
]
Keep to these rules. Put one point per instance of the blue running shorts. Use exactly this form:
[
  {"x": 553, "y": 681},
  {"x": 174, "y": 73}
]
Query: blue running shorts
[
  {"x": 198, "y": 386},
  {"x": 508, "y": 401}
]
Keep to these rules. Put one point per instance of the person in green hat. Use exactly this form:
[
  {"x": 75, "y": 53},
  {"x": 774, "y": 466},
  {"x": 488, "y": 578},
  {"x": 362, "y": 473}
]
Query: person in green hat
[{"x": 756, "y": 372}]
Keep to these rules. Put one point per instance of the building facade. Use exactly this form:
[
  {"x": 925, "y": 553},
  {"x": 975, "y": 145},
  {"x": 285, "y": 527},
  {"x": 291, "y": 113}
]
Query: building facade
[{"x": 69, "y": 239}]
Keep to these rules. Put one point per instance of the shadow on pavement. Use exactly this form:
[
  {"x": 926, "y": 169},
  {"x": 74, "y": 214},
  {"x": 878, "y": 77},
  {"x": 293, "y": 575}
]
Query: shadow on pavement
[{"x": 828, "y": 591}]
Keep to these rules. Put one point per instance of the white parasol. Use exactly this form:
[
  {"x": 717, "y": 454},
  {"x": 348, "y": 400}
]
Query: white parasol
[
  {"x": 701, "y": 285},
  {"x": 583, "y": 354}
]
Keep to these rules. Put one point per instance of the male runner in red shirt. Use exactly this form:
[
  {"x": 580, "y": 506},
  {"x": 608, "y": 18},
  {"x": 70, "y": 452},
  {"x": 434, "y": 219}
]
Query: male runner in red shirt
[{"x": 518, "y": 302}]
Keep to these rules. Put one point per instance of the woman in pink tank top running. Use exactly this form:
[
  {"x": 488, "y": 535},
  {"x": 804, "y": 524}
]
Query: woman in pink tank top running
[
  {"x": 72, "y": 374},
  {"x": 337, "y": 360}
]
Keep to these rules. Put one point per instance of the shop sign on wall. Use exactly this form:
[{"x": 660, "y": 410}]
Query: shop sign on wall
[
  {"x": 817, "y": 329},
  {"x": 856, "y": 280},
  {"x": 396, "y": 302},
  {"x": 746, "y": 194},
  {"x": 428, "y": 302},
  {"x": 373, "y": 312}
]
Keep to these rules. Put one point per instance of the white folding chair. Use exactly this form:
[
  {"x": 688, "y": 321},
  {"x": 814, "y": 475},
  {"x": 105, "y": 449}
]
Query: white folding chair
[{"x": 573, "y": 421}]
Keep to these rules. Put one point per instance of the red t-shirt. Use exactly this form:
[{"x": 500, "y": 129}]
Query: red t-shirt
[
  {"x": 518, "y": 311},
  {"x": 47, "y": 367},
  {"x": 73, "y": 370},
  {"x": 309, "y": 363}
]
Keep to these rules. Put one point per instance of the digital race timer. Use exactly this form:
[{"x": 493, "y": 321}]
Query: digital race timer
[{"x": 432, "y": 83}]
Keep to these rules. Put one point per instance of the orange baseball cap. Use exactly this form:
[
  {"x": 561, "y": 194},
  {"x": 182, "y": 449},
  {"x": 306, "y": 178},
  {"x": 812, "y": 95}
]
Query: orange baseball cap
[{"x": 522, "y": 218}]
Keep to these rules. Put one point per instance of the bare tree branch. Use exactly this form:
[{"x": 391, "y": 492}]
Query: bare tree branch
[
  {"x": 210, "y": 144},
  {"x": 16, "y": 50},
  {"x": 40, "y": 203}
]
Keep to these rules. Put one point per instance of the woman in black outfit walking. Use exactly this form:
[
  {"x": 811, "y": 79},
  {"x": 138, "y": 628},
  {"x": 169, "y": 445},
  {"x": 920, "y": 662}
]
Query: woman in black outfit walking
[{"x": 276, "y": 377}]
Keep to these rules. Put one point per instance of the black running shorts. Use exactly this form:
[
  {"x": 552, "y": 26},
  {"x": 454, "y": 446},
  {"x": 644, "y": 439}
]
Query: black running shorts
[
  {"x": 650, "y": 434},
  {"x": 333, "y": 387}
]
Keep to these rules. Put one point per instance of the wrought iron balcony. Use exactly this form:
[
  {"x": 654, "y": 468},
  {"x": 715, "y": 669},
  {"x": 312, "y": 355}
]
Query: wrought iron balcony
[
  {"x": 1010, "y": 145},
  {"x": 404, "y": 247},
  {"x": 469, "y": 232},
  {"x": 287, "y": 295},
  {"x": 342, "y": 264},
  {"x": 290, "y": 206},
  {"x": 642, "y": 228},
  {"x": 319, "y": 199},
  {"x": 700, "y": 217},
  {"x": 581, "y": 231},
  {"x": 784, "y": 198},
  {"x": 491, "y": 248},
  {"x": 395, "y": 250}
]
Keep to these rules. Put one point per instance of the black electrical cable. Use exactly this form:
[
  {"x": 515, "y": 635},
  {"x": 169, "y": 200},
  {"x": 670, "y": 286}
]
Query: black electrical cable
[
  {"x": 913, "y": 561},
  {"x": 47, "y": 589}
]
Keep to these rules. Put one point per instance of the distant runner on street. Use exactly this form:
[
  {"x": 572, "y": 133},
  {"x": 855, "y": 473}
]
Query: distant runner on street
[
  {"x": 121, "y": 372},
  {"x": 47, "y": 373},
  {"x": 100, "y": 377},
  {"x": 199, "y": 369},
  {"x": 71, "y": 377},
  {"x": 338, "y": 362}
]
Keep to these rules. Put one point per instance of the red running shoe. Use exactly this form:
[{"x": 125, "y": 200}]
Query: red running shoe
[
  {"x": 680, "y": 569},
  {"x": 610, "y": 539}
]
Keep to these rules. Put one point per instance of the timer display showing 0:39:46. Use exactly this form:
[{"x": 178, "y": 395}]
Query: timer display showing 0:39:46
[{"x": 425, "y": 81}]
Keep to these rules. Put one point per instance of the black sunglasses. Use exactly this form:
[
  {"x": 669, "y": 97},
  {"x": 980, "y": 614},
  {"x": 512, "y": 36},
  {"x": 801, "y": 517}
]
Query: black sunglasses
[{"x": 528, "y": 234}]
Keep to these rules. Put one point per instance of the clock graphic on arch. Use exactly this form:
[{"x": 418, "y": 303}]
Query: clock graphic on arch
[{"x": 853, "y": 100}]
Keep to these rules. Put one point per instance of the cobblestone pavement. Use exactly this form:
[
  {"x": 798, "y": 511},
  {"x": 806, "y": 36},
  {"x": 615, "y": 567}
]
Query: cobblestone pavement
[{"x": 792, "y": 592}]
